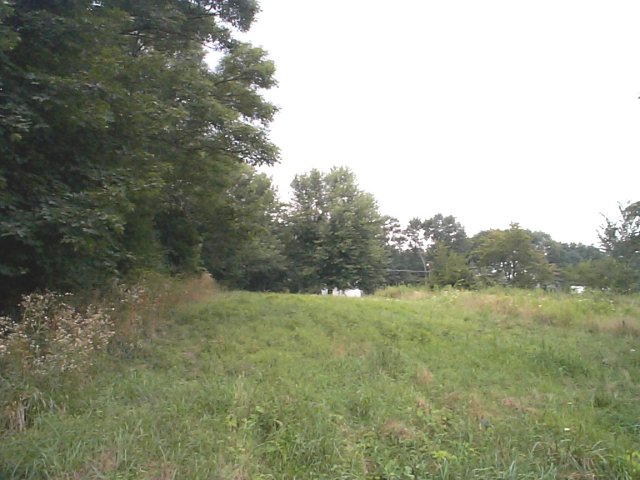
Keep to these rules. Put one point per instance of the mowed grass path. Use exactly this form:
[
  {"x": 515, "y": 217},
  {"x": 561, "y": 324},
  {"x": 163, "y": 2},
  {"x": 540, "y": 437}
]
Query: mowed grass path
[{"x": 269, "y": 386}]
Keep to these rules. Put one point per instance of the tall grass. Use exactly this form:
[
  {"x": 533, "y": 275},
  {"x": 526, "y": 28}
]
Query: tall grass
[
  {"x": 50, "y": 350},
  {"x": 443, "y": 386},
  {"x": 595, "y": 310}
]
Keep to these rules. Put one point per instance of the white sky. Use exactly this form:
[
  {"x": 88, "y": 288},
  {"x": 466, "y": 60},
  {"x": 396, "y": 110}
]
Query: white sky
[{"x": 493, "y": 111}]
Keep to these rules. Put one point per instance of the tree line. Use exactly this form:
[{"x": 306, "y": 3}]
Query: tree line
[
  {"x": 123, "y": 151},
  {"x": 332, "y": 234}
]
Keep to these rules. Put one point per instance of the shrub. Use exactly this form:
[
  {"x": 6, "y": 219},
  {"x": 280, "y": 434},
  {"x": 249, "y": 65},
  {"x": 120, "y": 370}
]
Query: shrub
[
  {"x": 52, "y": 336},
  {"x": 46, "y": 351},
  {"x": 48, "y": 343},
  {"x": 139, "y": 310}
]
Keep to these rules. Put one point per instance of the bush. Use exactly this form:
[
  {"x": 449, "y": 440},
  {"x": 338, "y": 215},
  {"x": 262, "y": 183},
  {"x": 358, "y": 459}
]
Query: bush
[
  {"x": 48, "y": 343},
  {"x": 52, "y": 336},
  {"x": 47, "y": 350}
]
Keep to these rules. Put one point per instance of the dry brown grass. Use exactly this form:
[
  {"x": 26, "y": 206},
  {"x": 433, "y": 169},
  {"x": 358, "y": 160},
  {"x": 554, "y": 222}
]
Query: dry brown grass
[
  {"x": 423, "y": 405},
  {"x": 477, "y": 409},
  {"x": 418, "y": 295},
  {"x": 139, "y": 308},
  {"x": 368, "y": 465},
  {"x": 616, "y": 326},
  {"x": 424, "y": 377},
  {"x": 239, "y": 474},
  {"x": 496, "y": 304},
  {"x": 453, "y": 401},
  {"x": 582, "y": 476},
  {"x": 161, "y": 471},
  {"x": 397, "y": 431},
  {"x": 361, "y": 349},
  {"x": 512, "y": 403},
  {"x": 190, "y": 355},
  {"x": 105, "y": 464},
  {"x": 521, "y": 309},
  {"x": 15, "y": 417},
  {"x": 356, "y": 349},
  {"x": 196, "y": 289},
  {"x": 339, "y": 351},
  {"x": 483, "y": 410}
]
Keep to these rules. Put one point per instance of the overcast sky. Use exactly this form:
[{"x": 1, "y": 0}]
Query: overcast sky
[{"x": 492, "y": 111}]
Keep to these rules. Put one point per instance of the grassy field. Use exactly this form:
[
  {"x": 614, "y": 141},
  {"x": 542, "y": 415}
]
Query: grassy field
[{"x": 402, "y": 385}]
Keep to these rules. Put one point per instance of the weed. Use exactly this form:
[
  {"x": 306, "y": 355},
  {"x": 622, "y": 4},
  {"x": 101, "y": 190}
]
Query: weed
[
  {"x": 424, "y": 377},
  {"x": 52, "y": 336},
  {"x": 51, "y": 344}
]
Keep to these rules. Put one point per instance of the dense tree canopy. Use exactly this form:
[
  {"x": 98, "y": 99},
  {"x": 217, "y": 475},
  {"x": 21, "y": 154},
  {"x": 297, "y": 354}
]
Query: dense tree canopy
[
  {"x": 436, "y": 247},
  {"x": 449, "y": 267},
  {"x": 117, "y": 141},
  {"x": 445, "y": 231},
  {"x": 509, "y": 257},
  {"x": 620, "y": 238},
  {"x": 336, "y": 234},
  {"x": 248, "y": 253}
]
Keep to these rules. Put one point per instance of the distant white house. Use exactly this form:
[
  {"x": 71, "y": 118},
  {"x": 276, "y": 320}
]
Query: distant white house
[
  {"x": 349, "y": 292},
  {"x": 577, "y": 289},
  {"x": 353, "y": 293}
]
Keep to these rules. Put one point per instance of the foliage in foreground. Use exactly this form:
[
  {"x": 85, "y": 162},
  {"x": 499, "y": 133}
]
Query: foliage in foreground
[{"x": 410, "y": 384}]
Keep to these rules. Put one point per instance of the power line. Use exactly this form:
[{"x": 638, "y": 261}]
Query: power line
[{"x": 409, "y": 271}]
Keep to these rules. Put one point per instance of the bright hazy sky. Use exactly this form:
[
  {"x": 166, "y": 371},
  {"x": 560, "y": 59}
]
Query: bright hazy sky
[{"x": 491, "y": 111}]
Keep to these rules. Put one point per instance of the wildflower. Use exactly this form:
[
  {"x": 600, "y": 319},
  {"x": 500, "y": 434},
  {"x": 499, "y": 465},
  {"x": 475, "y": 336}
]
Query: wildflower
[{"x": 53, "y": 336}]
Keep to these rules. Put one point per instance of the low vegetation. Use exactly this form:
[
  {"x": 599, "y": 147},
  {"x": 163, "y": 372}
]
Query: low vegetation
[{"x": 406, "y": 384}]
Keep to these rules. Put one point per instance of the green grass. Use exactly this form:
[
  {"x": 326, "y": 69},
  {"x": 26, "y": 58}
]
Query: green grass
[{"x": 403, "y": 385}]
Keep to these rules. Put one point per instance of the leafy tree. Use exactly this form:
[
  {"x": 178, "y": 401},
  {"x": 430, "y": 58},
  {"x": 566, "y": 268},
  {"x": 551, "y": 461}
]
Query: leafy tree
[
  {"x": 563, "y": 257},
  {"x": 449, "y": 268},
  {"x": 620, "y": 238},
  {"x": 306, "y": 221},
  {"x": 604, "y": 273},
  {"x": 405, "y": 266},
  {"x": 418, "y": 243},
  {"x": 354, "y": 244},
  {"x": 117, "y": 141},
  {"x": 336, "y": 234},
  {"x": 509, "y": 257},
  {"x": 423, "y": 239},
  {"x": 249, "y": 252},
  {"x": 446, "y": 231}
]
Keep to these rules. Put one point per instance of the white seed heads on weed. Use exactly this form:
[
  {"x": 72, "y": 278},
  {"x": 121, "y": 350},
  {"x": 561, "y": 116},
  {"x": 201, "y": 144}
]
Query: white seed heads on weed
[{"x": 53, "y": 336}]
